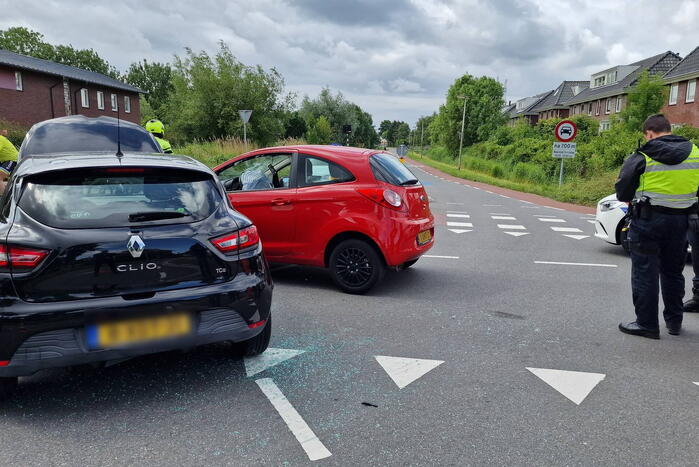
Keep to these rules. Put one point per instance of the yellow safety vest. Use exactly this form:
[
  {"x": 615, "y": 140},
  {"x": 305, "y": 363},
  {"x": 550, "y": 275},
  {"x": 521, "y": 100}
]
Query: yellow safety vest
[
  {"x": 672, "y": 186},
  {"x": 164, "y": 144}
]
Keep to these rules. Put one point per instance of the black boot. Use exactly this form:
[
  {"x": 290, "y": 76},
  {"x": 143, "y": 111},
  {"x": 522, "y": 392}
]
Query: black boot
[{"x": 692, "y": 305}]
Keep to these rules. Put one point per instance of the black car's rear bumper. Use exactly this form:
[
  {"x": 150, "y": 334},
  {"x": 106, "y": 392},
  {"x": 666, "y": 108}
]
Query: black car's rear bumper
[{"x": 49, "y": 335}]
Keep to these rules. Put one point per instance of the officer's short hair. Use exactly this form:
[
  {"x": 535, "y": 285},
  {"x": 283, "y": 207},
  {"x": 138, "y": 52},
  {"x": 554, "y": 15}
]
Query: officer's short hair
[{"x": 657, "y": 123}]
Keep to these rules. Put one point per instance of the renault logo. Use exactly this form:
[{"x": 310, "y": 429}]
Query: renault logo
[{"x": 135, "y": 246}]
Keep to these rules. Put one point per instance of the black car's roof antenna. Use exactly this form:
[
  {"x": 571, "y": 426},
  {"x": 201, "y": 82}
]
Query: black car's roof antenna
[{"x": 118, "y": 153}]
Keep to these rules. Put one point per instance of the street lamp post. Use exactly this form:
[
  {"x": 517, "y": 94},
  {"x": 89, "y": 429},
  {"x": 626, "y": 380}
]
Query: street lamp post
[{"x": 463, "y": 121}]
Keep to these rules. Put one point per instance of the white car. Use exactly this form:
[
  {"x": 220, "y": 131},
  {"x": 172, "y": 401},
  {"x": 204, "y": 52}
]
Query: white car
[{"x": 610, "y": 220}]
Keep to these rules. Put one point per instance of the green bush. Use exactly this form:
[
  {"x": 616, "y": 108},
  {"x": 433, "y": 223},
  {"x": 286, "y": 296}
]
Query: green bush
[
  {"x": 688, "y": 132},
  {"x": 15, "y": 131}
]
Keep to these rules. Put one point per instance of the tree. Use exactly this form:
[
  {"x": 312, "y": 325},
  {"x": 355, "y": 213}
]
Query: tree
[
  {"x": 154, "y": 78},
  {"x": 209, "y": 91},
  {"x": 295, "y": 126},
  {"x": 363, "y": 135},
  {"x": 645, "y": 98},
  {"x": 422, "y": 133},
  {"x": 484, "y": 101},
  {"x": 27, "y": 42},
  {"x": 320, "y": 132}
]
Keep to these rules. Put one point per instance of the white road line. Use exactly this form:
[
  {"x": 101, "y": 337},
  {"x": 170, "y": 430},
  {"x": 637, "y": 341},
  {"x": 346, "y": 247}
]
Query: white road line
[
  {"x": 492, "y": 205},
  {"x": 591, "y": 221},
  {"x": 505, "y": 196},
  {"x": 488, "y": 191},
  {"x": 499, "y": 214},
  {"x": 457, "y": 204},
  {"x": 504, "y": 218},
  {"x": 511, "y": 227},
  {"x": 530, "y": 207},
  {"x": 309, "y": 441},
  {"x": 462, "y": 216},
  {"x": 542, "y": 215},
  {"x": 528, "y": 202},
  {"x": 577, "y": 264},
  {"x": 457, "y": 212},
  {"x": 551, "y": 219},
  {"x": 556, "y": 209},
  {"x": 565, "y": 229},
  {"x": 440, "y": 257},
  {"x": 459, "y": 224}
]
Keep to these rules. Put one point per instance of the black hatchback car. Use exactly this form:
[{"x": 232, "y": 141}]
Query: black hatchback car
[{"x": 106, "y": 257}]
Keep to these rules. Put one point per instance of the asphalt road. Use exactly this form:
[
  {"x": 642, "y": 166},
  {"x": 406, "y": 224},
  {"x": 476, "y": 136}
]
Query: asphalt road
[{"x": 489, "y": 309}]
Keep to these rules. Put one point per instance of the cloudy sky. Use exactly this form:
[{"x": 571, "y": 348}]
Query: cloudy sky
[{"x": 394, "y": 58}]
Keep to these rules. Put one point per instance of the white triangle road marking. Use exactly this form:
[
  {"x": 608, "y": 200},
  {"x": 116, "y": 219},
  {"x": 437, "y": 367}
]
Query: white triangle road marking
[
  {"x": 459, "y": 224},
  {"x": 565, "y": 229},
  {"x": 463, "y": 216},
  {"x": 574, "y": 385},
  {"x": 576, "y": 237},
  {"x": 551, "y": 219},
  {"x": 271, "y": 357},
  {"x": 511, "y": 227},
  {"x": 503, "y": 218},
  {"x": 696, "y": 382},
  {"x": 460, "y": 231},
  {"x": 517, "y": 234},
  {"x": 404, "y": 371}
]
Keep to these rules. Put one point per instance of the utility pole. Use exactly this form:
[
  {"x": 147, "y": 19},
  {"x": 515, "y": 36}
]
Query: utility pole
[
  {"x": 422, "y": 132},
  {"x": 463, "y": 120}
]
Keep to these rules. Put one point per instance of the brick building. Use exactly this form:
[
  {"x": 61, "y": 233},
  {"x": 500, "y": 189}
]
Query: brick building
[
  {"x": 682, "y": 106},
  {"x": 555, "y": 105},
  {"x": 523, "y": 109},
  {"x": 32, "y": 90},
  {"x": 607, "y": 91}
]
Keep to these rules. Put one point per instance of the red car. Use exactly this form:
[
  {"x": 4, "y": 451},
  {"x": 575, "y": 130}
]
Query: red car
[{"x": 354, "y": 211}]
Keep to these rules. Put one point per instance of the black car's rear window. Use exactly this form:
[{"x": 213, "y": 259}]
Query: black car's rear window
[
  {"x": 391, "y": 170},
  {"x": 87, "y": 137},
  {"x": 118, "y": 197}
]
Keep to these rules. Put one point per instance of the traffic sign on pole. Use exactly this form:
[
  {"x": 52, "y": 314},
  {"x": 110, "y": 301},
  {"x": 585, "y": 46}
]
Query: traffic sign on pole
[
  {"x": 565, "y": 132},
  {"x": 245, "y": 116}
]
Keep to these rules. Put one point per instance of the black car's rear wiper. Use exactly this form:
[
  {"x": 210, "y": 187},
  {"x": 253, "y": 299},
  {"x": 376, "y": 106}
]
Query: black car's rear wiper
[
  {"x": 155, "y": 215},
  {"x": 412, "y": 181}
]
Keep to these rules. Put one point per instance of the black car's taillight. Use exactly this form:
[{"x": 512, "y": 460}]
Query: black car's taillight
[
  {"x": 240, "y": 240},
  {"x": 20, "y": 258}
]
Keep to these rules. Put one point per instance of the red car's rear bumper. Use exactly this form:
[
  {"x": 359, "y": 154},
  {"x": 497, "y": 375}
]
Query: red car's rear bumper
[{"x": 400, "y": 244}]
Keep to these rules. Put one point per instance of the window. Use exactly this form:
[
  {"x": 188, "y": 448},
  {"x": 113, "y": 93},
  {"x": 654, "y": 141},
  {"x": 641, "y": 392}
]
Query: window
[
  {"x": 264, "y": 172},
  {"x": 674, "y": 89},
  {"x": 98, "y": 197},
  {"x": 127, "y": 104},
  {"x": 589, "y": 108},
  {"x": 604, "y": 126},
  {"x": 598, "y": 107},
  {"x": 618, "y": 104},
  {"x": 321, "y": 172},
  {"x": 100, "y": 100},
  {"x": 388, "y": 168},
  {"x": 84, "y": 98},
  {"x": 115, "y": 104},
  {"x": 18, "y": 81},
  {"x": 691, "y": 90},
  {"x": 608, "y": 108}
]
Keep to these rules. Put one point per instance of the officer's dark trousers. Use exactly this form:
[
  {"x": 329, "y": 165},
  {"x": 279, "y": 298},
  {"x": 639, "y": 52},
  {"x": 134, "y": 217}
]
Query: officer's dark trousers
[
  {"x": 694, "y": 241},
  {"x": 658, "y": 254}
]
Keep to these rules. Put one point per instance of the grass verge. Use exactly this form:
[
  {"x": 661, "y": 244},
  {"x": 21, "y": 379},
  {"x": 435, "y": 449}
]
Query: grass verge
[{"x": 586, "y": 192}]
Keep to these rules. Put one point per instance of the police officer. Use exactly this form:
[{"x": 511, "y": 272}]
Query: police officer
[
  {"x": 158, "y": 129},
  {"x": 661, "y": 180},
  {"x": 692, "y": 305},
  {"x": 8, "y": 151}
]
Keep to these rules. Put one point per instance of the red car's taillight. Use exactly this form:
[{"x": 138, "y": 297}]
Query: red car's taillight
[
  {"x": 245, "y": 238},
  {"x": 21, "y": 258},
  {"x": 383, "y": 196}
]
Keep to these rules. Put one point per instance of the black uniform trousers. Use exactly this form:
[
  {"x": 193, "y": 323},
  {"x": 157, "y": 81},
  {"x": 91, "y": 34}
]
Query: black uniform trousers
[
  {"x": 694, "y": 241},
  {"x": 658, "y": 254}
]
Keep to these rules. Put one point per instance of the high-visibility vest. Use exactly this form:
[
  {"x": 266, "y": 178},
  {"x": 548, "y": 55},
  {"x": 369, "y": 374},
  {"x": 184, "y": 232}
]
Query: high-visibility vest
[
  {"x": 164, "y": 144},
  {"x": 672, "y": 186}
]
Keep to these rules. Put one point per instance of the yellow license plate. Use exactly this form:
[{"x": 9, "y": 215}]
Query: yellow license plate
[
  {"x": 121, "y": 333},
  {"x": 424, "y": 237}
]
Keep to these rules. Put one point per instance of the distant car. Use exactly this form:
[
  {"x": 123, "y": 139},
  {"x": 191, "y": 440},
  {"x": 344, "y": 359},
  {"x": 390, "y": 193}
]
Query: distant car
[
  {"x": 353, "y": 211},
  {"x": 610, "y": 220},
  {"x": 92, "y": 134},
  {"x": 104, "y": 258}
]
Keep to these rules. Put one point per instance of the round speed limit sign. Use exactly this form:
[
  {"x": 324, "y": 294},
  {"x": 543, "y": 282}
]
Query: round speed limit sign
[{"x": 566, "y": 131}]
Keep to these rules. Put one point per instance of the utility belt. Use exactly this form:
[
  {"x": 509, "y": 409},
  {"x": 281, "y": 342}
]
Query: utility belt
[{"x": 642, "y": 209}]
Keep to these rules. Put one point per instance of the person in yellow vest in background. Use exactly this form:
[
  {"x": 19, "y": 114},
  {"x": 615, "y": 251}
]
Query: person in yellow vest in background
[
  {"x": 8, "y": 159},
  {"x": 158, "y": 129},
  {"x": 660, "y": 180}
]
